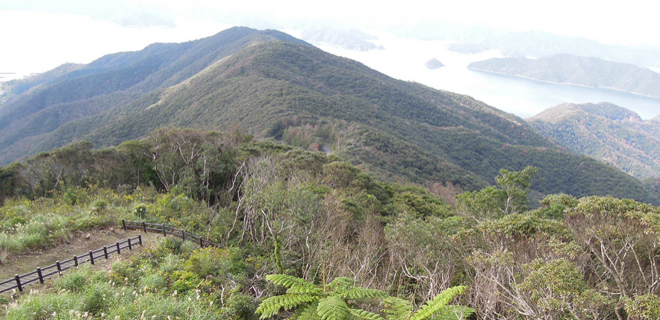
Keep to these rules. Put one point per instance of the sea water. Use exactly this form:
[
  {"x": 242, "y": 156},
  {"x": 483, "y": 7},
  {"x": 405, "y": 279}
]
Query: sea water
[{"x": 404, "y": 59}]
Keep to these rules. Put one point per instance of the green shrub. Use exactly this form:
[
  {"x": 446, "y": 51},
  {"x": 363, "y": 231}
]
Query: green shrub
[
  {"x": 184, "y": 281},
  {"x": 97, "y": 298},
  {"x": 75, "y": 281},
  {"x": 152, "y": 283}
]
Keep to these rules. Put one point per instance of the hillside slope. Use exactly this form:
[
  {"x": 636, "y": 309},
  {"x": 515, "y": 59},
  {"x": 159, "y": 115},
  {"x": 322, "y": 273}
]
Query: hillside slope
[
  {"x": 606, "y": 132},
  {"x": 68, "y": 94},
  {"x": 278, "y": 87},
  {"x": 575, "y": 70}
]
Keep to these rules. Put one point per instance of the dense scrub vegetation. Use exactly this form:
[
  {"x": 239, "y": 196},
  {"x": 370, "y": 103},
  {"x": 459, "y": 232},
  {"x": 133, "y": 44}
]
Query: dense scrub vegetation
[{"x": 278, "y": 209}]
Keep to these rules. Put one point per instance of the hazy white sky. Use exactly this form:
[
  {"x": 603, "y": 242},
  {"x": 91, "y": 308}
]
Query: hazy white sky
[{"x": 37, "y": 35}]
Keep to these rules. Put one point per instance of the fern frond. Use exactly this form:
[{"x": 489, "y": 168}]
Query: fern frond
[
  {"x": 451, "y": 312},
  {"x": 332, "y": 308},
  {"x": 396, "y": 308},
  {"x": 295, "y": 284},
  {"x": 307, "y": 312},
  {"x": 361, "y": 293},
  {"x": 364, "y": 315},
  {"x": 341, "y": 284},
  {"x": 272, "y": 305},
  {"x": 435, "y": 305}
]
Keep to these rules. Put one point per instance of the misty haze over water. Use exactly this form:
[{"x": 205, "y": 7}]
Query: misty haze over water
[{"x": 404, "y": 59}]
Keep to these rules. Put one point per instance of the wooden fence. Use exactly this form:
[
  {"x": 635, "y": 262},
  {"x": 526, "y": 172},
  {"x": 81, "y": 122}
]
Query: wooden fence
[
  {"x": 165, "y": 230},
  {"x": 20, "y": 281}
]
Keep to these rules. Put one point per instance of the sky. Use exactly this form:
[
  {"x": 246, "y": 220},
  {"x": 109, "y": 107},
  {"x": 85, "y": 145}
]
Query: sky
[{"x": 38, "y": 35}]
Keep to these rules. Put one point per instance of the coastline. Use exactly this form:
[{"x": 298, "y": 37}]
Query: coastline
[{"x": 564, "y": 83}]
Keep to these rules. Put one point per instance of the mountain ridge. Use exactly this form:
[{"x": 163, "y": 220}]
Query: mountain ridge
[{"x": 292, "y": 90}]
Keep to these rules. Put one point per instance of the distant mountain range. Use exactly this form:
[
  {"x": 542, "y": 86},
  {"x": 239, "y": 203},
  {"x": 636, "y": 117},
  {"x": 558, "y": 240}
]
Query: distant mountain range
[
  {"x": 574, "y": 70},
  {"x": 270, "y": 84},
  {"x": 543, "y": 44},
  {"x": 349, "y": 39},
  {"x": 606, "y": 132}
]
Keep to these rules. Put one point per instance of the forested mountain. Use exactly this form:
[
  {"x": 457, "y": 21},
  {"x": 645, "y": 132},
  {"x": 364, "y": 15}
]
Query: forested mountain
[
  {"x": 272, "y": 85},
  {"x": 606, "y": 132},
  {"x": 576, "y": 70}
]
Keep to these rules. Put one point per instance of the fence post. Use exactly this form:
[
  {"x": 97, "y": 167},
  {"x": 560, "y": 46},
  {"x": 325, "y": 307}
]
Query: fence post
[
  {"x": 18, "y": 282},
  {"x": 123, "y": 222},
  {"x": 164, "y": 232},
  {"x": 41, "y": 277},
  {"x": 201, "y": 242},
  {"x": 140, "y": 239},
  {"x": 129, "y": 244},
  {"x": 118, "y": 248},
  {"x": 105, "y": 251},
  {"x": 75, "y": 261},
  {"x": 59, "y": 267},
  {"x": 91, "y": 256},
  {"x": 183, "y": 235},
  {"x": 144, "y": 226}
]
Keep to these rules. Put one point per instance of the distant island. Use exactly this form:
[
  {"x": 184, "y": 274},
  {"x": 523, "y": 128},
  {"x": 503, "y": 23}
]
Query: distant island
[
  {"x": 544, "y": 44},
  {"x": 350, "y": 39},
  {"x": 575, "y": 70},
  {"x": 434, "y": 64}
]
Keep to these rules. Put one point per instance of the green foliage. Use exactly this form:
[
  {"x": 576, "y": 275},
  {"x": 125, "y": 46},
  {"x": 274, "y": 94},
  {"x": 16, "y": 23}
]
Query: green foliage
[
  {"x": 516, "y": 225},
  {"x": 330, "y": 301},
  {"x": 644, "y": 307},
  {"x": 437, "y": 308},
  {"x": 554, "y": 285},
  {"x": 492, "y": 202},
  {"x": 439, "y": 304}
]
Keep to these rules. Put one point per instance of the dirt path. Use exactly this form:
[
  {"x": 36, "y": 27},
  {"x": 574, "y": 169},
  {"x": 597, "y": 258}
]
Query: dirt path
[{"x": 79, "y": 245}]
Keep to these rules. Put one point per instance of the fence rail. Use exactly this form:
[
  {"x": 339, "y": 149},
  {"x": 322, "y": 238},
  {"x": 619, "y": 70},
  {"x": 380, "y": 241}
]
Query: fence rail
[
  {"x": 20, "y": 281},
  {"x": 165, "y": 230}
]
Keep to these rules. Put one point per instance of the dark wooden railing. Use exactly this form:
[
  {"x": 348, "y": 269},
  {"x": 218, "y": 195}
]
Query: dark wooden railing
[
  {"x": 20, "y": 281},
  {"x": 167, "y": 230}
]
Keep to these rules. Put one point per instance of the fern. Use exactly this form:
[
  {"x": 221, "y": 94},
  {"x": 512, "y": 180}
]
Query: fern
[
  {"x": 295, "y": 284},
  {"x": 272, "y": 305},
  {"x": 396, "y": 308},
  {"x": 307, "y": 312},
  {"x": 451, "y": 312},
  {"x": 364, "y": 315},
  {"x": 332, "y": 308},
  {"x": 438, "y": 303},
  {"x": 361, "y": 293}
]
